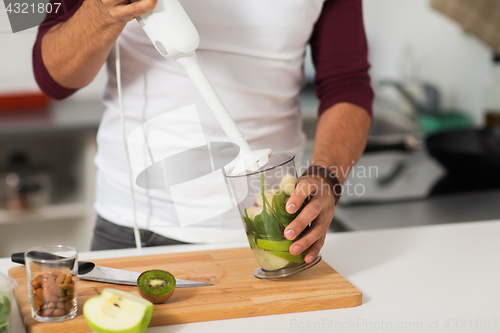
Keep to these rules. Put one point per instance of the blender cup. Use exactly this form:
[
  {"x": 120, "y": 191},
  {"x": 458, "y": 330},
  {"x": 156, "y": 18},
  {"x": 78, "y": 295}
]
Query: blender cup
[
  {"x": 262, "y": 196},
  {"x": 7, "y": 284}
]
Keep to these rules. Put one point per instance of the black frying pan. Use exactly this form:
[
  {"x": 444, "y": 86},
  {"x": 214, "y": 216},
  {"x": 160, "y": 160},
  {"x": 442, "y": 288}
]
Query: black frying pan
[{"x": 469, "y": 154}]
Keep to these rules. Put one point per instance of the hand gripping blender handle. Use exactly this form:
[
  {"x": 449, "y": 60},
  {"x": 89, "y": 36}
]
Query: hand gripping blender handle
[
  {"x": 170, "y": 29},
  {"x": 175, "y": 37}
]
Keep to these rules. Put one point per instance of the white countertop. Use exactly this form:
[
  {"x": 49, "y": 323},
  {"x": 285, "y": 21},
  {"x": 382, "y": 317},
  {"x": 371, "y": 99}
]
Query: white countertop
[{"x": 440, "y": 278}]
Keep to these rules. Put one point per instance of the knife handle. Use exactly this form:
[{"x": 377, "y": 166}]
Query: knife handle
[
  {"x": 17, "y": 258},
  {"x": 83, "y": 266}
]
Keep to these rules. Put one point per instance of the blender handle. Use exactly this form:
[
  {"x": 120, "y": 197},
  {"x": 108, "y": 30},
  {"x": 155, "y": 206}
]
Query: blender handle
[
  {"x": 198, "y": 77},
  {"x": 175, "y": 37}
]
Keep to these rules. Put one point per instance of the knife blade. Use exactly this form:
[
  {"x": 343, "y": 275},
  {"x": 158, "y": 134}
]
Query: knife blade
[
  {"x": 89, "y": 271},
  {"x": 120, "y": 276}
]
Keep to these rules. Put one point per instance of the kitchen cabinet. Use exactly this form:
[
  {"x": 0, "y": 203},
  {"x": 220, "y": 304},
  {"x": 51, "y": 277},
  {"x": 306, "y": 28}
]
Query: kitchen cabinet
[{"x": 60, "y": 143}]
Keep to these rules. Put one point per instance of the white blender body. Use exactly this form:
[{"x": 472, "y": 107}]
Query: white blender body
[
  {"x": 175, "y": 37},
  {"x": 170, "y": 30}
]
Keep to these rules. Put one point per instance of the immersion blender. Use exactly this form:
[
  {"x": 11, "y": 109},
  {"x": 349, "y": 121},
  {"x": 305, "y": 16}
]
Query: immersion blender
[{"x": 174, "y": 35}]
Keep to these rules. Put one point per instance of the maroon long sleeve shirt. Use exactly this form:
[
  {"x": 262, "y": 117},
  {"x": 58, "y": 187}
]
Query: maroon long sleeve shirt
[{"x": 338, "y": 44}]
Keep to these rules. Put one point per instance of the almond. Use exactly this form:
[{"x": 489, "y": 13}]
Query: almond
[{"x": 60, "y": 279}]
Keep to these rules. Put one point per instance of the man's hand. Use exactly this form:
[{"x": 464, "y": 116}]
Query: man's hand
[
  {"x": 124, "y": 10},
  {"x": 341, "y": 136},
  {"x": 318, "y": 212},
  {"x": 74, "y": 51}
]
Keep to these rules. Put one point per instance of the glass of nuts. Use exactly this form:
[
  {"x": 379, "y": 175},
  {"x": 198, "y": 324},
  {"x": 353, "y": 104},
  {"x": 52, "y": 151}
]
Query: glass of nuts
[{"x": 52, "y": 280}]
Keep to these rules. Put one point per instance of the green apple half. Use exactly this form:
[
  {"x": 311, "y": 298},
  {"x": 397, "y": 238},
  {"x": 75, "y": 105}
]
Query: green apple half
[{"x": 116, "y": 311}]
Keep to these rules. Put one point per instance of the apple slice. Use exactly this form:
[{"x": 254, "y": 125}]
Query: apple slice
[
  {"x": 269, "y": 196},
  {"x": 253, "y": 211},
  {"x": 116, "y": 311},
  {"x": 281, "y": 245},
  {"x": 288, "y": 184},
  {"x": 299, "y": 259},
  {"x": 269, "y": 261}
]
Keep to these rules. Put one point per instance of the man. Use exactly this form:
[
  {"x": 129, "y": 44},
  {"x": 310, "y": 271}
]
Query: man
[{"x": 252, "y": 50}]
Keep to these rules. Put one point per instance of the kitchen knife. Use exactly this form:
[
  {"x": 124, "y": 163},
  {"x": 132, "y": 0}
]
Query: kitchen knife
[{"x": 89, "y": 271}]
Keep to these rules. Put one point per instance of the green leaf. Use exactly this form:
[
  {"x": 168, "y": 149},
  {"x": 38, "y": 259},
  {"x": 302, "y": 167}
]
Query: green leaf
[
  {"x": 265, "y": 228},
  {"x": 259, "y": 226},
  {"x": 271, "y": 226},
  {"x": 269, "y": 222},
  {"x": 279, "y": 205},
  {"x": 248, "y": 223},
  {"x": 252, "y": 240}
]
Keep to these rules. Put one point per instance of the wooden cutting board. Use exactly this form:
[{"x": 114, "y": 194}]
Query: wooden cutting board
[{"x": 236, "y": 293}]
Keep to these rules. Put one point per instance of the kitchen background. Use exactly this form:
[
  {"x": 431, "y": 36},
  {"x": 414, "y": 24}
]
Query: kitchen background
[{"x": 409, "y": 42}]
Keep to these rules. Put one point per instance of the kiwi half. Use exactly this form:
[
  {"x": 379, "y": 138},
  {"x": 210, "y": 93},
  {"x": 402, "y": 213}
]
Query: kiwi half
[{"x": 156, "y": 285}]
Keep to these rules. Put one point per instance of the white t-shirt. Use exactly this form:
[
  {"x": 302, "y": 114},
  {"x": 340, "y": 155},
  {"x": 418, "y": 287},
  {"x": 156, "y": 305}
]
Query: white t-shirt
[{"x": 252, "y": 52}]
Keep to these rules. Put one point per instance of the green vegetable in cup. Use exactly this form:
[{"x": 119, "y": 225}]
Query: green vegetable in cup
[
  {"x": 248, "y": 224},
  {"x": 269, "y": 222},
  {"x": 265, "y": 223},
  {"x": 279, "y": 203}
]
